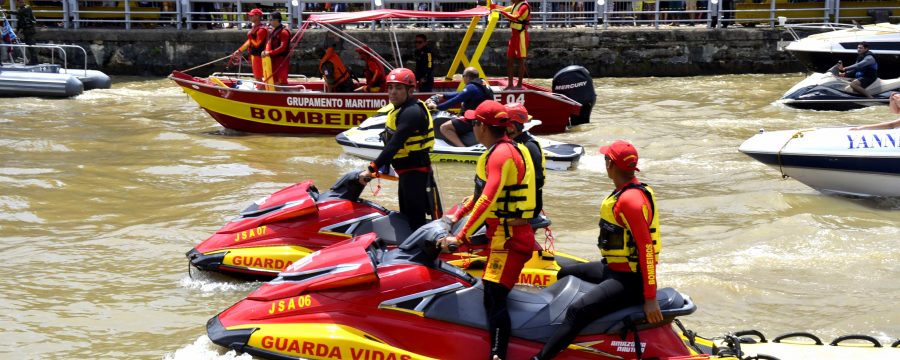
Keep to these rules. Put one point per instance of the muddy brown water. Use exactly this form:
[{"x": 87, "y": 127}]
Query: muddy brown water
[{"x": 101, "y": 195}]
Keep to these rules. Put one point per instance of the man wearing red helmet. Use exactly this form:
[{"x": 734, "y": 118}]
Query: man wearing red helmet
[
  {"x": 374, "y": 71},
  {"x": 278, "y": 48},
  {"x": 519, "y": 116},
  {"x": 629, "y": 242},
  {"x": 256, "y": 43},
  {"x": 408, "y": 139},
  {"x": 504, "y": 199}
]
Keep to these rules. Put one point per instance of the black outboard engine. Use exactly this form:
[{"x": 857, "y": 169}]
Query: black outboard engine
[{"x": 575, "y": 82}]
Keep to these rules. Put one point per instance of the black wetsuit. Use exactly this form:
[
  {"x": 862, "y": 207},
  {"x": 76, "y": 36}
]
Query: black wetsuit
[
  {"x": 425, "y": 68},
  {"x": 414, "y": 170}
]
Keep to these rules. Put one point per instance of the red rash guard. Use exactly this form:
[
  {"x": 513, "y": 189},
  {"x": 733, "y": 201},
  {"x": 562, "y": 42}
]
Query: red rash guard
[
  {"x": 504, "y": 162},
  {"x": 283, "y": 38},
  {"x": 630, "y": 210}
]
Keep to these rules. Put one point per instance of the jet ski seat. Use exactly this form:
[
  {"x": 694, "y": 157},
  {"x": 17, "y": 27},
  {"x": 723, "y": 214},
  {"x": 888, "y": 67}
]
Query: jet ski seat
[
  {"x": 440, "y": 118},
  {"x": 536, "y": 316},
  {"x": 881, "y": 86},
  {"x": 392, "y": 229}
]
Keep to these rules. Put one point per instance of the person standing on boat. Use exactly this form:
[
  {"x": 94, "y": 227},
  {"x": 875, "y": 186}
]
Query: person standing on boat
[
  {"x": 374, "y": 71},
  {"x": 408, "y": 139},
  {"x": 25, "y": 22},
  {"x": 518, "y": 114},
  {"x": 629, "y": 242},
  {"x": 473, "y": 94},
  {"x": 335, "y": 74},
  {"x": 865, "y": 68},
  {"x": 424, "y": 64},
  {"x": 256, "y": 42},
  {"x": 518, "y": 16},
  {"x": 278, "y": 48},
  {"x": 504, "y": 199}
]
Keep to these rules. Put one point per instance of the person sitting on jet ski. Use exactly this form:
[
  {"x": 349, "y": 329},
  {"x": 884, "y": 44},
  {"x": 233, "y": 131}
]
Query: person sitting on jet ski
[
  {"x": 504, "y": 199},
  {"x": 475, "y": 92},
  {"x": 866, "y": 69},
  {"x": 895, "y": 108},
  {"x": 629, "y": 242},
  {"x": 408, "y": 139},
  {"x": 519, "y": 116}
]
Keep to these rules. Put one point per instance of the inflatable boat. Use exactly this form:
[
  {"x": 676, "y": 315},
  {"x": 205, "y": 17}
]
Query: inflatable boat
[
  {"x": 833, "y": 160},
  {"x": 364, "y": 141},
  {"x": 48, "y": 80}
]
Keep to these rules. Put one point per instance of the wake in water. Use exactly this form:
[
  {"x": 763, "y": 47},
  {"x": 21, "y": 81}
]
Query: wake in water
[
  {"x": 210, "y": 283},
  {"x": 203, "y": 349}
]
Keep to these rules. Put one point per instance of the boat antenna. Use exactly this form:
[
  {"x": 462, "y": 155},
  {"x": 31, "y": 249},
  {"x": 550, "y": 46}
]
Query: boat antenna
[{"x": 395, "y": 45}]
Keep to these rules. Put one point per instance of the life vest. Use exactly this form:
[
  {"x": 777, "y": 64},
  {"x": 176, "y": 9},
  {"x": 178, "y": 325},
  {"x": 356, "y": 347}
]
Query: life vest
[
  {"x": 543, "y": 169},
  {"x": 275, "y": 41},
  {"x": 516, "y": 200},
  {"x": 616, "y": 243},
  {"x": 868, "y": 71},
  {"x": 373, "y": 83},
  {"x": 520, "y": 24},
  {"x": 486, "y": 91},
  {"x": 253, "y": 36},
  {"x": 340, "y": 71},
  {"x": 418, "y": 141}
]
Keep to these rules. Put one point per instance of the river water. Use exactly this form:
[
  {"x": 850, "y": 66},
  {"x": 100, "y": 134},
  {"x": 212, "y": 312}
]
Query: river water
[{"x": 101, "y": 195}]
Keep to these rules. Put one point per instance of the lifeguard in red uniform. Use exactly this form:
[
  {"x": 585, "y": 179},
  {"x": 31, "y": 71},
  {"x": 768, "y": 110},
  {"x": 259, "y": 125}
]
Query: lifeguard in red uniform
[
  {"x": 278, "y": 49},
  {"x": 255, "y": 44},
  {"x": 518, "y": 15},
  {"x": 374, "y": 71}
]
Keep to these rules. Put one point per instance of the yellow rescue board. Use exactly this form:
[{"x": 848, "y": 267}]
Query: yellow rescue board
[
  {"x": 796, "y": 350},
  {"x": 267, "y": 73}
]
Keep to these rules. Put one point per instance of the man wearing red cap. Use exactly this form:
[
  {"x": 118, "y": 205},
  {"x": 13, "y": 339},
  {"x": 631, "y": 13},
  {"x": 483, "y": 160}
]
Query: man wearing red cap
[
  {"x": 256, "y": 43},
  {"x": 629, "y": 242},
  {"x": 408, "y": 139},
  {"x": 278, "y": 48},
  {"x": 519, "y": 116},
  {"x": 504, "y": 199},
  {"x": 374, "y": 71}
]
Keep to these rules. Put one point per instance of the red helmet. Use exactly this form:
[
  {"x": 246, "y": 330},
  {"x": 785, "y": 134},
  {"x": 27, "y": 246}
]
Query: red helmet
[
  {"x": 517, "y": 112},
  {"x": 401, "y": 76},
  {"x": 255, "y": 12}
]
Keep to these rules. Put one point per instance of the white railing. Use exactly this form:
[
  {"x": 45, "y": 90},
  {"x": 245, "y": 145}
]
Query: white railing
[{"x": 191, "y": 14}]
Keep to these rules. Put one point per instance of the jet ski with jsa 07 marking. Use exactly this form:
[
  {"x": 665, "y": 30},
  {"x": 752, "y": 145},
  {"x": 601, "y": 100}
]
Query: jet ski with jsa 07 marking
[
  {"x": 365, "y": 142},
  {"x": 284, "y": 227}
]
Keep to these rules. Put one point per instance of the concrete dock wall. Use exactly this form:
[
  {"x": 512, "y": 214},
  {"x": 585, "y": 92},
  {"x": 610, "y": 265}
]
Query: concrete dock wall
[{"x": 614, "y": 52}]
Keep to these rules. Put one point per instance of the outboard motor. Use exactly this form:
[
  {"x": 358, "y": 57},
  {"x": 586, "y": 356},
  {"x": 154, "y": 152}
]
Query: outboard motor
[{"x": 575, "y": 82}]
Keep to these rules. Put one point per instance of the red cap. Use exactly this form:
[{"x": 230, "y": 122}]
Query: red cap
[
  {"x": 517, "y": 112},
  {"x": 255, "y": 12},
  {"x": 364, "y": 50},
  {"x": 623, "y": 155},
  {"x": 490, "y": 113}
]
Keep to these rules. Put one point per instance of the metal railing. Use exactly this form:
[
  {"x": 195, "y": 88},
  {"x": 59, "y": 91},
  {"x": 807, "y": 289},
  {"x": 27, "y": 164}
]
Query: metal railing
[
  {"x": 190, "y": 14},
  {"x": 52, "y": 47}
]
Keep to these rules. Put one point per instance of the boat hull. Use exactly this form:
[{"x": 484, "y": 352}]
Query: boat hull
[
  {"x": 314, "y": 112},
  {"x": 833, "y": 160}
]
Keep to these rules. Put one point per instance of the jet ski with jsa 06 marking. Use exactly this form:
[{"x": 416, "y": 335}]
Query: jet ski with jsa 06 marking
[
  {"x": 284, "y": 227},
  {"x": 365, "y": 142},
  {"x": 827, "y": 91},
  {"x": 360, "y": 299}
]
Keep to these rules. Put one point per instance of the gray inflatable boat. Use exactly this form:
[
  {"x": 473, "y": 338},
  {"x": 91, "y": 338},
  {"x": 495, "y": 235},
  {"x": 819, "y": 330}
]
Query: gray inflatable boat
[{"x": 48, "y": 80}]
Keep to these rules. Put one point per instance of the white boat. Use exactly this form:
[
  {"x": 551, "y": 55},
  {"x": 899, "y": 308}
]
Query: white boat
[
  {"x": 819, "y": 52},
  {"x": 48, "y": 80},
  {"x": 833, "y": 160},
  {"x": 365, "y": 142}
]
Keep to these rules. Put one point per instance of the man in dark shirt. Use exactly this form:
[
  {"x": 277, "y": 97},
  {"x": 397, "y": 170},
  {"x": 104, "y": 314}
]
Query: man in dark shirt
[
  {"x": 473, "y": 94},
  {"x": 424, "y": 64},
  {"x": 25, "y": 29},
  {"x": 408, "y": 139}
]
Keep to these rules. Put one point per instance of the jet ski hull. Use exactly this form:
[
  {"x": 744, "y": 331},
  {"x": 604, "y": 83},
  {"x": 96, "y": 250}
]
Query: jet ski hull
[
  {"x": 833, "y": 160},
  {"x": 824, "y": 91},
  {"x": 364, "y": 142}
]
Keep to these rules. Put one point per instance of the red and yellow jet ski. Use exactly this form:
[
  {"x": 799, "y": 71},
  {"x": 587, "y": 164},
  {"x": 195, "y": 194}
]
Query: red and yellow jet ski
[
  {"x": 360, "y": 299},
  {"x": 278, "y": 230}
]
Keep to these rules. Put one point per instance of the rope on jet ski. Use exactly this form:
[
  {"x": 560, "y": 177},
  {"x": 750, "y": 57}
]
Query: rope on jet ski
[
  {"x": 798, "y": 134},
  {"x": 549, "y": 239},
  {"x": 690, "y": 335}
]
